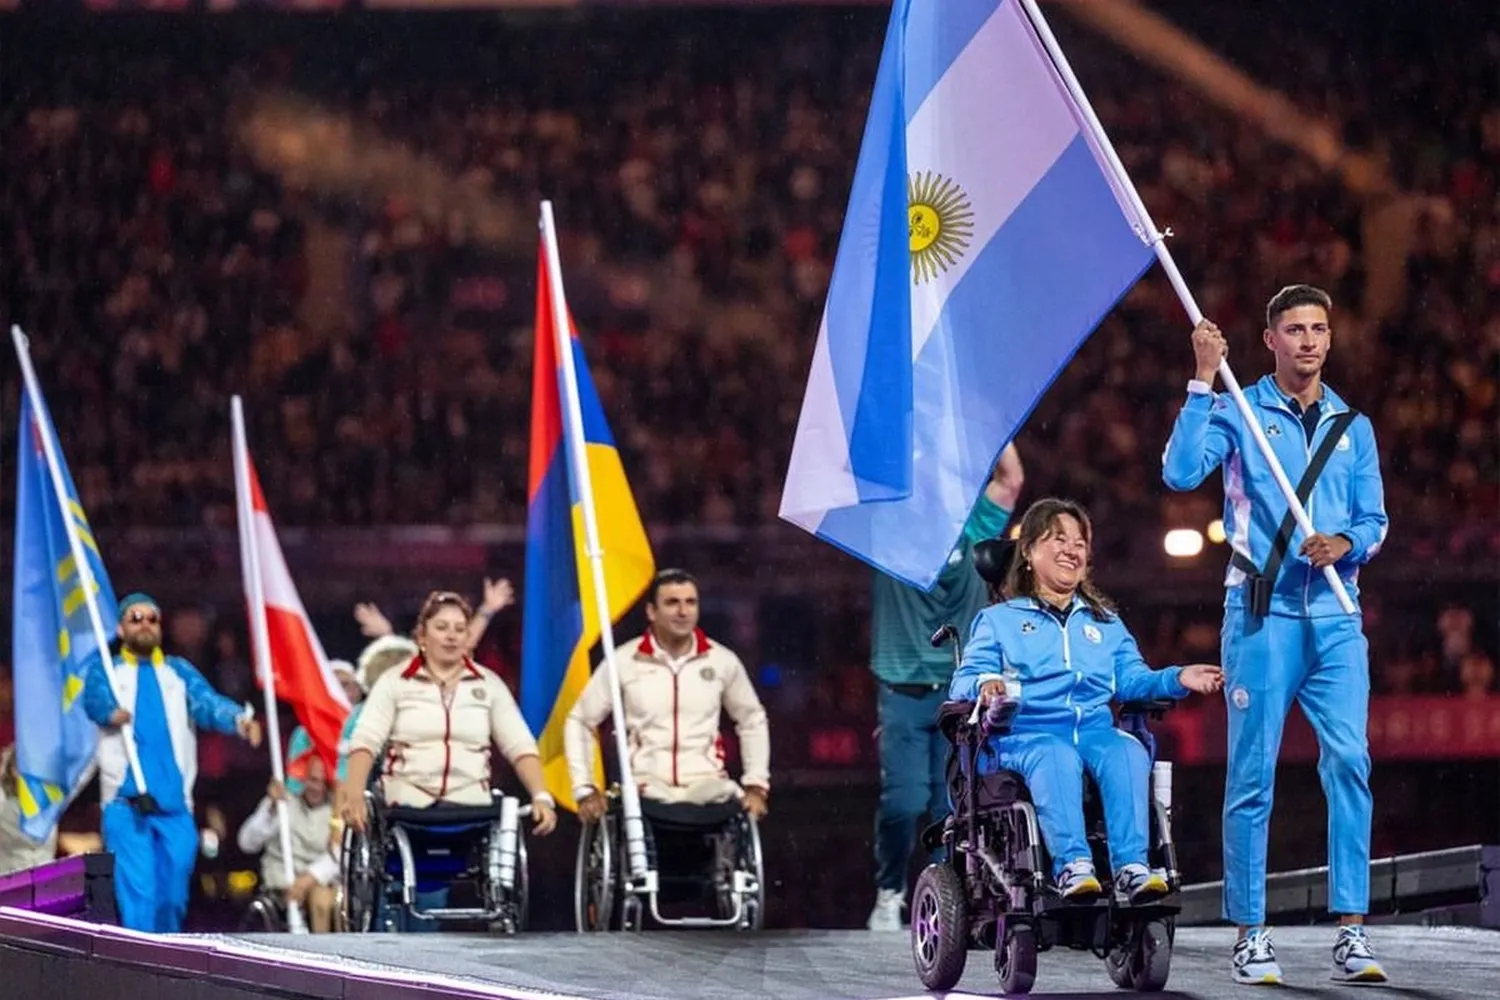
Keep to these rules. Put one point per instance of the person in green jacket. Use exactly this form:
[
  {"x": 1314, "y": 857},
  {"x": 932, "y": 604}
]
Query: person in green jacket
[{"x": 913, "y": 683}]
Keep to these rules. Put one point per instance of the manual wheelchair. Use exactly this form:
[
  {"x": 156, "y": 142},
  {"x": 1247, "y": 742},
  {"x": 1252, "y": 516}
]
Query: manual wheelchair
[
  {"x": 994, "y": 889},
  {"x": 695, "y": 854},
  {"x": 404, "y": 851}
]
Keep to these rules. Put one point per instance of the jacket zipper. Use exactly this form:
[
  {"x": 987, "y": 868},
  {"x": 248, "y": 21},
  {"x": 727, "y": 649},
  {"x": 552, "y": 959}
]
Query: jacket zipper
[
  {"x": 447, "y": 742},
  {"x": 1068, "y": 664},
  {"x": 675, "y": 690}
]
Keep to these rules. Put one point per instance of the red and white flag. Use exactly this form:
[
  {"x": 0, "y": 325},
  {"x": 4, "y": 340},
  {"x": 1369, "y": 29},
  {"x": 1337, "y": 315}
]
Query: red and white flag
[{"x": 298, "y": 665}]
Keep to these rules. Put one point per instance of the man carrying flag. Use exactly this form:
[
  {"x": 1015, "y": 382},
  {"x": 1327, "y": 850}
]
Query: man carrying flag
[{"x": 153, "y": 837}]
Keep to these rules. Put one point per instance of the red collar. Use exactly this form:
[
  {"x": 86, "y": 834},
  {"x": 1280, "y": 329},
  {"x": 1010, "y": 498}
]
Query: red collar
[
  {"x": 701, "y": 643},
  {"x": 417, "y": 668}
]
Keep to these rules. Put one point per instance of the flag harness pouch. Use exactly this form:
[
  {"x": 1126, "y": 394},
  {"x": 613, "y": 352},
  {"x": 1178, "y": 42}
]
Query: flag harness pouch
[{"x": 1260, "y": 582}]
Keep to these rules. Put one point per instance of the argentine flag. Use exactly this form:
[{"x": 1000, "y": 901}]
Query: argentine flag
[{"x": 984, "y": 241}]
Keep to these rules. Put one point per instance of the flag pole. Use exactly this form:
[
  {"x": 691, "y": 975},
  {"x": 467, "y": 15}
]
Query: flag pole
[
  {"x": 75, "y": 548},
  {"x": 261, "y": 637},
  {"x": 1179, "y": 284},
  {"x": 635, "y": 832}
]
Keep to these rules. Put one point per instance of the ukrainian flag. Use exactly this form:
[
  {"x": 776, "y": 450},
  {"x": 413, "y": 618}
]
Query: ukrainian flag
[
  {"x": 53, "y": 640},
  {"x": 560, "y": 623}
]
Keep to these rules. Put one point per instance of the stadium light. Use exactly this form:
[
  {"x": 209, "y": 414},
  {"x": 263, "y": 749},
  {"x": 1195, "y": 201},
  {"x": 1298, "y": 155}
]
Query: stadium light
[
  {"x": 1183, "y": 543},
  {"x": 1216, "y": 531}
]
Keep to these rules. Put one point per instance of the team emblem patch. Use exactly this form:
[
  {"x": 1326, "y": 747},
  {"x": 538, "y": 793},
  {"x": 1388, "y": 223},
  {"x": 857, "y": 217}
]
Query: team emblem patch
[
  {"x": 1273, "y": 430},
  {"x": 1092, "y": 634},
  {"x": 707, "y": 673},
  {"x": 1240, "y": 697},
  {"x": 479, "y": 694},
  {"x": 1028, "y": 627},
  {"x": 1343, "y": 444}
]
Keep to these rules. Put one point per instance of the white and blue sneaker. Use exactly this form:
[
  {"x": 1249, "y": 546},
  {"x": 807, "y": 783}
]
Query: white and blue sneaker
[
  {"x": 1353, "y": 961},
  {"x": 1136, "y": 884},
  {"x": 1254, "y": 962},
  {"x": 1077, "y": 882}
]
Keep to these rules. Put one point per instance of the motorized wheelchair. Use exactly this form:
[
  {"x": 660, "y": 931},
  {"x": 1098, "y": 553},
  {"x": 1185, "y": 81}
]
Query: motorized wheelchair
[
  {"x": 695, "y": 855},
  {"x": 403, "y": 851},
  {"x": 994, "y": 888}
]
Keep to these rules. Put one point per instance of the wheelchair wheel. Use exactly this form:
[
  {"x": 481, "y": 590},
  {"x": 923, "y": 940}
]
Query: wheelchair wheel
[
  {"x": 594, "y": 877},
  {"x": 939, "y": 927},
  {"x": 361, "y": 881},
  {"x": 1015, "y": 958},
  {"x": 747, "y": 858},
  {"x": 261, "y": 917},
  {"x": 1145, "y": 962}
]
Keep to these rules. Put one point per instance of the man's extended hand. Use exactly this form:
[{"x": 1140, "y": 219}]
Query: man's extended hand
[
  {"x": 1325, "y": 550},
  {"x": 756, "y": 802},
  {"x": 591, "y": 808},
  {"x": 249, "y": 728}
]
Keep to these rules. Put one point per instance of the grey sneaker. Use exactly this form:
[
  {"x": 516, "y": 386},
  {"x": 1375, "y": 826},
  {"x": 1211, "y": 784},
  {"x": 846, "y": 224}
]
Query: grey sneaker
[
  {"x": 1254, "y": 962},
  {"x": 1353, "y": 961},
  {"x": 1136, "y": 884}
]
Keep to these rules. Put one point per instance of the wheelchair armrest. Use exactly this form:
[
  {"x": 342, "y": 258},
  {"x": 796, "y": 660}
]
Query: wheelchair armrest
[{"x": 1153, "y": 708}]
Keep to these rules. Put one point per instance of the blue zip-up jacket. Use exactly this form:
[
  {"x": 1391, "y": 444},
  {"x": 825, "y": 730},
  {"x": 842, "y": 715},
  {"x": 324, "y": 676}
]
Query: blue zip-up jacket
[
  {"x": 1068, "y": 672},
  {"x": 1347, "y": 500}
]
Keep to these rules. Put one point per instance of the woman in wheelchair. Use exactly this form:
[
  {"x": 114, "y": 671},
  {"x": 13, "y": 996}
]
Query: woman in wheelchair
[
  {"x": 433, "y": 724},
  {"x": 1057, "y": 649}
]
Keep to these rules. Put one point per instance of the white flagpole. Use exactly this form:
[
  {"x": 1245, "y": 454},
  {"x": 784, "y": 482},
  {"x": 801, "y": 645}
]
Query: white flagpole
[
  {"x": 75, "y": 547},
  {"x": 1195, "y": 315},
  {"x": 635, "y": 832},
  {"x": 255, "y": 593}
]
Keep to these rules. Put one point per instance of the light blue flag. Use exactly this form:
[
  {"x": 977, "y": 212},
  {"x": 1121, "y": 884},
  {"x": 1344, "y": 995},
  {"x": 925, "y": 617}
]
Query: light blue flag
[
  {"x": 53, "y": 640},
  {"x": 983, "y": 243}
]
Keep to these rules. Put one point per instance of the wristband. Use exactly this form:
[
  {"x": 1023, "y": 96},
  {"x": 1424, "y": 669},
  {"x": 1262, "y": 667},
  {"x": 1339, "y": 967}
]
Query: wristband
[
  {"x": 1198, "y": 387},
  {"x": 544, "y": 798}
]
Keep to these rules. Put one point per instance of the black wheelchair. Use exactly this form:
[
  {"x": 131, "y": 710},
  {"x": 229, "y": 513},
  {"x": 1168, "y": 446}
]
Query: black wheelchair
[
  {"x": 266, "y": 914},
  {"x": 994, "y": 889},
  {"x": 707, "y": 857},
  {"x": 404, "y": 851}
]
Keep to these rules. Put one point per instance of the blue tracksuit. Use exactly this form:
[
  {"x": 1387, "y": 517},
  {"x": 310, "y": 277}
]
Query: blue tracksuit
[
  {"x": 155, "y": 854},
  {"x": 1307, "y": 648},
  {"x": 1070, "y": 667}
]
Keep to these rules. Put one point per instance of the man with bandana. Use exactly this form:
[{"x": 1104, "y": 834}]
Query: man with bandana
[{"x": 151, "y": 832}]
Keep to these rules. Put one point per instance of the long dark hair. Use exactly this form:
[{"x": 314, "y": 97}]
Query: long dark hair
[{"x": 1040, "y": 520}]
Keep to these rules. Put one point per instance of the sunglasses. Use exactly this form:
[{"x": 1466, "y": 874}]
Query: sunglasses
[{"x": 149, "y": 617}]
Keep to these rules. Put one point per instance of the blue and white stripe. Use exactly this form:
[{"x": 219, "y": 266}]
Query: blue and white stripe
[{"x": 916, "y": 386}]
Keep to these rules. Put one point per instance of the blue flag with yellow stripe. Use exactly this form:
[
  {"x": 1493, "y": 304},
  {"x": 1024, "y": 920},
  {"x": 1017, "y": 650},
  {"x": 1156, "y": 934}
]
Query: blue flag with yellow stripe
[{"x": 53, "y": 640}]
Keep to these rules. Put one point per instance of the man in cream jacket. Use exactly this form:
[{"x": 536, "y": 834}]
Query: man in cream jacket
[
  {"x": 675, "y": 682},
  {"x": 315, "y": 869},
  {"x": 151, "y": 831}
]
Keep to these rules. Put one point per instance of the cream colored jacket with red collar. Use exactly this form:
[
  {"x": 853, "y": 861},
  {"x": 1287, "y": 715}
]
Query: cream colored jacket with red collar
[
  {"x": 431, "y": 748},
  {"x": 672, "y": 715}
]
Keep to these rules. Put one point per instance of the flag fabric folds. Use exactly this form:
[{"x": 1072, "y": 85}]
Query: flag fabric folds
[
  {"x": 985, "y": 239},
  {"x": 300, "y": 669},
  {"x": 560, "y": 624},
  {"x": 53, "y": 639}
]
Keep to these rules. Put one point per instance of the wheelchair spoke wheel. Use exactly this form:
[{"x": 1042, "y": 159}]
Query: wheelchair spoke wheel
[
  {"x": 1015, "y": 958},
  {"x": 360, "y": 881},
  {"x": 594, "y": 877},
  {"x": 939, "y": 928}
]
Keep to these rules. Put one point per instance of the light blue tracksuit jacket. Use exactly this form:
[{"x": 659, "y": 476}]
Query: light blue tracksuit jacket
[
  {"x": 1069, "y": 667},
  {"x": 1306, "y": 649}
]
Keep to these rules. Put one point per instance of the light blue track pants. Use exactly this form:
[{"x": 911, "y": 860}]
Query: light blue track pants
[
  {"x": 1052, "y": 766},
  {"x": 1322, "y": 663},
  {"x": 154, "y": 859}
]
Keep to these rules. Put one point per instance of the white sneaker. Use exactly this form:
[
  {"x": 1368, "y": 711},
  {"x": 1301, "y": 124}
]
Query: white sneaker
[
  {"x": 1353, "y": 962},
  {"x": 1254, "y": 962},
  {"x": 887, "y": 913},
  {"x": 1077, "y": 882}
]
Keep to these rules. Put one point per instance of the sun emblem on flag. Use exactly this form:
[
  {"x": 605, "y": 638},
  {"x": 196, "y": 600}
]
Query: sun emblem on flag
[{"x": 940, "y": 222}]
